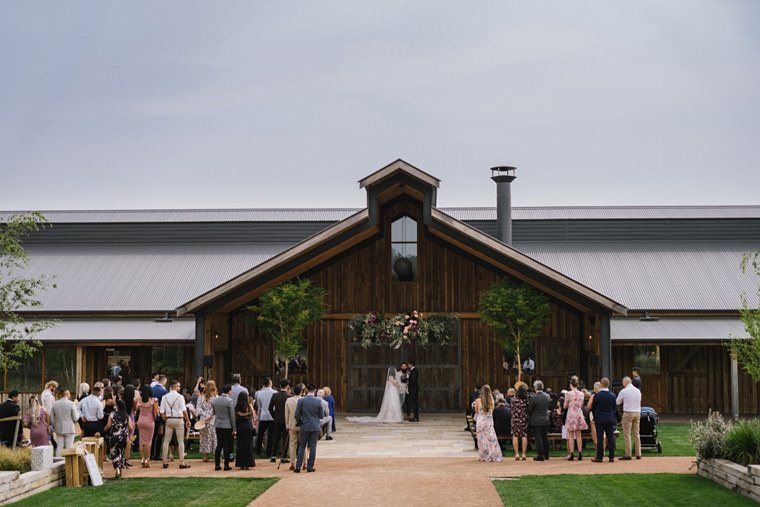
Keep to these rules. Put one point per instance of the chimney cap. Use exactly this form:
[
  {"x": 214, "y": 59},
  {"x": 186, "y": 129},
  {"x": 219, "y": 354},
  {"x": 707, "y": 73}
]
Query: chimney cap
[{"x": 503, "y": 173}]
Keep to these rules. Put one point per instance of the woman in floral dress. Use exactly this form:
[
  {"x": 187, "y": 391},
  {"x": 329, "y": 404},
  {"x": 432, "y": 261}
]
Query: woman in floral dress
[
  {"x": 575, "y": 422},
  {"x": 205, "y": 412},
  {"x": 488, "y": 443},
  {"x": 520, "y": 421},
  {"x": 119, "y": 424}
]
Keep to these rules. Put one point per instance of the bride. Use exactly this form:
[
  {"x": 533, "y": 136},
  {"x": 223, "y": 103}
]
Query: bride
[{"x": 390, "y": 408}]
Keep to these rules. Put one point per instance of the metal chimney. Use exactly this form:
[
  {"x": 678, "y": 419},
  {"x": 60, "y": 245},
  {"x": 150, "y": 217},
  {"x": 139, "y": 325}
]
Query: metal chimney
[{"x": 503, "y": 176}]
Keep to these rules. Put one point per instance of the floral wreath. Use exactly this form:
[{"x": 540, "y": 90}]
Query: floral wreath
[{"x": 411, "y": 328}]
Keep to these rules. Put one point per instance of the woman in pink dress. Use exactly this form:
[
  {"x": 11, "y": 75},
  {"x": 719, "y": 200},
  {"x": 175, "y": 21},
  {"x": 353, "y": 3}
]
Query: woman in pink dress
[
  {"x": 575, "y": 422},
  {"x": 488, "y": 444},
  {"x": 147, "y": 410},
  {"x": 38, "y": 422}
]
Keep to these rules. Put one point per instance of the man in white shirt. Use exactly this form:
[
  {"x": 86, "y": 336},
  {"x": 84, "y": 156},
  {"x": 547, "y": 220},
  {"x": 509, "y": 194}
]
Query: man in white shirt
[
  {"x": 174, "y": 413},
  {"x": 91, "y": 410},
  {"x": 529, "y": 365},
  {"x": 630, "y": 398},
  {"x": 266, "y": 421},
  {"x": 326, "y": 421}
]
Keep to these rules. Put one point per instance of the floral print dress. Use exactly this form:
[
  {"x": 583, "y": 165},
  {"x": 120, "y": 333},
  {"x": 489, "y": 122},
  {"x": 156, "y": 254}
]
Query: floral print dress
[
  {"x": 488, "y": 443},
  {"x": 207, "y": 434},
  {"x": 574, "y": 404},
  {"x": 119, "y": 436},
  {"x": 519, "y": 417}
]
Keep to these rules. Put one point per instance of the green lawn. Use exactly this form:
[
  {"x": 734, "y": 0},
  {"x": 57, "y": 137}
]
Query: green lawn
[
  {"x": 167, "y": 492},
  {"x": 616, "y": 490}
]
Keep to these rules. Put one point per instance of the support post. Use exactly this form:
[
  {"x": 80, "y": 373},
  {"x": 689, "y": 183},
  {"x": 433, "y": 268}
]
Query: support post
[
  {"x": 734, "y": 387},
  {"x": 606, "y": 345},
  {"x": 200, "y": 343}
]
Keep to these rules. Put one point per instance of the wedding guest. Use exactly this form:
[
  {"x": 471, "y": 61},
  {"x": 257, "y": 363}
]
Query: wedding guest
[
  {"x": 630, "y": 399},
  {"x": 539, "y": 407},
  {"x": 597, "y": 388},
  {"x": 519, "y": 421},
  {"x": 474, "y": 395},
  {"x": 488, "y": 443},
  {"x": 325, "y": 423},
  {"x": 529, "y": 366},
  {"x": 205, "y": 411},
  {"x": 331, "y": 404},
  {"x": 172, "y": 409},
  {"x": 224, "y": 422},
  {"x": 502, "y": 422},
  {"x": 308, "y": 412},
  {"x": 266, "y": 421},
  {"x": 159, "y": 391},
  {"x": 91, "y": 410},
  {"x": 510, "y": 394},
  {"x": 237, "y": 388},
  {"x": 128, "y": 395},
  {"x": 603, "y": 406},
  {"x": 290, "y": 422},
  {"x": 47, "y": 398},
  {"x": 636, "y": 380},
  {"x": 37, "y": 420},
  {"x": 64, "y": 416},
  {"x": 244, "y": 415},
  {"x": 119, "y": 425},
  {"x": 83, "y": 391},
  {"x": 109, "y": 404},
  {"x": 101, "y": 386},
  {"x": 574, "y": 421},
  {"x": 277, "y": 409},
  {"x": 147, "y": 411}
]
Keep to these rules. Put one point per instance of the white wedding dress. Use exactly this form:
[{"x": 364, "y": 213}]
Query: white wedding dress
[{"x": 391, "y": 406}]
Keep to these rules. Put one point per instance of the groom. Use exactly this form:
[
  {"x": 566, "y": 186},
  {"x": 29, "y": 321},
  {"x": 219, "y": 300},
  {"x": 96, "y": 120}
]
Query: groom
[{"x": 413, "y": 391}]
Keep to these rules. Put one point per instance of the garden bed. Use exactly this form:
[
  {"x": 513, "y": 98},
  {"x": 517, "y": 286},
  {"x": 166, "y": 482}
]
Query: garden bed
[
  {"x": 15, "y": 486},
  {"x": 745, "y": 480}
]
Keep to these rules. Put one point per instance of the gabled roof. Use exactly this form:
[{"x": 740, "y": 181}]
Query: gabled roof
[{"x": 396, "y": 167}]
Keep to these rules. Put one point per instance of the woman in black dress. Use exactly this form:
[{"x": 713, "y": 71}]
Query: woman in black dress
[
  {"x": 244, "y": 423},
  {"x": 120, "y": 425}
]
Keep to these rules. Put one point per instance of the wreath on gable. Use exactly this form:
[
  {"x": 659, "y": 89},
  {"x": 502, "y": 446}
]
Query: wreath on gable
[{"x": 412, "y": 327}]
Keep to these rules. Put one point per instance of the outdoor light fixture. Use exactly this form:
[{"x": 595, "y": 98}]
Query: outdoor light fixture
[
  {"x": 165, "y": 319},
  {"x": 647, "y": 318}
]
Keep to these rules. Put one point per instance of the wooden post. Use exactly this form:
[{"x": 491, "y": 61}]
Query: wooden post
[
  {"x": 734, "y": 386},
  {"x": 79, "y": 367}
]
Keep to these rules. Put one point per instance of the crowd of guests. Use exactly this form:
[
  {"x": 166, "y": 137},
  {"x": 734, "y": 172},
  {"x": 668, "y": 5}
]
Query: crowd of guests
[
  {"x": 296, "y": 364},
  {"x": 525, "y": 411},
  {"x": 156, "y": 419}
]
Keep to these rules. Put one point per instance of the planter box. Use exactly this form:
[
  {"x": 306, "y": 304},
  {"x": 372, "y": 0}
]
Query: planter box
[
  {"x": 15, "y": 486},
  {"x": 743, "y": 480}
]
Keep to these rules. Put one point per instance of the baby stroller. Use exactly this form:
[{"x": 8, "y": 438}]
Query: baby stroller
[{"x": 648, "y": 430}]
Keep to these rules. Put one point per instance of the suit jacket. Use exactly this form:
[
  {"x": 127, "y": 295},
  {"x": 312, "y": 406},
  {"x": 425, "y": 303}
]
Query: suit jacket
[
  {"x": 224, "y": 412},
  {"x": 290, "y": 412},
  {"x": 604, "y": 406},
  {"x": 277, "y": 406},
  {"x": 63, "y": 417},
  {"x": 502, "y": 420},
  {"x": 236, "y": 390},
  {"x": 538, "y": 409},
  {"x": 309, "y": 411},
  {"x": 473, "y": 396},
  {"x": 636, "y": 381},
  {"x": 9, "y": 409},
  {"x": 414, "y": 381}
]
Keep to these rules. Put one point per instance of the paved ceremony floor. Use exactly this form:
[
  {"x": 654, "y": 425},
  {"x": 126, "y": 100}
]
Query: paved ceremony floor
[{"x": 430, "y": 463}]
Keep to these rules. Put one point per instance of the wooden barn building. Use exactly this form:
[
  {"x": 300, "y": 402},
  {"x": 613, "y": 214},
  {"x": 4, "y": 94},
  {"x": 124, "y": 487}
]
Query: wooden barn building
[{"x": 655, "y": 287}]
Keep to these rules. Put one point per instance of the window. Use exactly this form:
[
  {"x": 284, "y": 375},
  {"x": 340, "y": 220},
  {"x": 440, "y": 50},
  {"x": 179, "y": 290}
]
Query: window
[
  {"x": 169, "y": 360},
  {"x": 404, "y": 250},
  {"x": 647, "y": 359}
]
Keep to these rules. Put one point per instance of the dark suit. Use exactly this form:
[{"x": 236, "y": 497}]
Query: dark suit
[
  {"x": 10, "y": 409},
  {"x": 308, "y": 412},
  {"x": 603, "y": 407},
  {"x": 636, "y": 381},
  {"x": 277, "y": 409},
  {"x": 413, "y": 394},
  {"x": 502, "y": 422},
  {"x": 540, "y": 420}
]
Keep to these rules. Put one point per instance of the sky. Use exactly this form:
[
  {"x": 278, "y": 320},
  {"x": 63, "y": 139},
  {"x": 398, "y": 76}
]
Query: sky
[{"x": 253, "y": 104}]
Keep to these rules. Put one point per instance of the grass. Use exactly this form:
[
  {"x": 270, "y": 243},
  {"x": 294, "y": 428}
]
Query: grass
[
  {"x": 617, "y": 490},
  {"x": 167, "y": 492},
  {"x": 19, "y": 460}
]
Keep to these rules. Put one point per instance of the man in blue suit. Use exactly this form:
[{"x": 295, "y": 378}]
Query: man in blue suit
[
  {"x": 309, "y": 411},
  {"x": 603, "y": 406}
]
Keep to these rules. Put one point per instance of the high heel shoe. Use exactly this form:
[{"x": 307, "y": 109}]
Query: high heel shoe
[
  {"x": 570, "y": 457},
  {"x": 580, "y": 456}
]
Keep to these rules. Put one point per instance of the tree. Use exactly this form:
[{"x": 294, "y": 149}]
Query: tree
[
  {"x": 284, "y": 312},
  {"x": 748, "y": 350},
  {"x": 516, "y": 313},
  {"x": 18, "y": 292}
]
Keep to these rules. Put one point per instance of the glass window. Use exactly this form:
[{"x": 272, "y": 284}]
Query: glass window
[
  {"x": 61, "y": 366},
  {"x": 28, "y": 376},
  {"x": 169, "y": 360},
  {"x": 404, "y": 250},
  {"x": 647, "y": 359}
]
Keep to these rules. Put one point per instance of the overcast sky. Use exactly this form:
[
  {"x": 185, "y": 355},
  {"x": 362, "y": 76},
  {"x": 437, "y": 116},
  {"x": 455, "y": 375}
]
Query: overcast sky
[{"x": 201, "y": 104}]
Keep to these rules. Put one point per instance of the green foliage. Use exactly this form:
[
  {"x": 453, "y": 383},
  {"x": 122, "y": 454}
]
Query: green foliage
[
  {"x": 516, "y": 313},
  {"x": 165, "y": 491},
  {"x": 748, "y": 350},
  {"x": 742, "y": 442},
  {"x": 709, "y": 437},
  {"x": 19, "y": 460},
  {"x": 18, "y": 292},
  {"x": 284, "y": 312},
  {"x": 411, "y": 328}
]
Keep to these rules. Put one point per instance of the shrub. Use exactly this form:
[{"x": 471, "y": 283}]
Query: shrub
[
  {"x": 742, "y": 442},
  {"x": 20, "y": 459},
  {"x": 708, "y": 437}
]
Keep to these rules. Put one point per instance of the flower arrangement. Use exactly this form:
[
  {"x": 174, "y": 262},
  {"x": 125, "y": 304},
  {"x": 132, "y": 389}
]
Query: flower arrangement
[{"x": 407, "y": 328}]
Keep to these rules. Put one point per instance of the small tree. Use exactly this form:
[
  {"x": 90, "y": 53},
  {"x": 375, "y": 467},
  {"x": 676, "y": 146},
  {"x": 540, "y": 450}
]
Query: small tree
[
  {"x": 284, "y": 312},
  {"x": 516, "y": 313},
  {"x": 18, "y": 292},
  {"x": 748, "y": 350}
]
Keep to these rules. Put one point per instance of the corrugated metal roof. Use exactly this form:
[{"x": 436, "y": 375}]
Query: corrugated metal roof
[
  {"x": 120, "y": 330},
  {"x": 677, "y": 329},
  {"x": 337, "y": 214},
  {"x": 648, "y": 276},
  {"x": 134, "y": 278}
]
